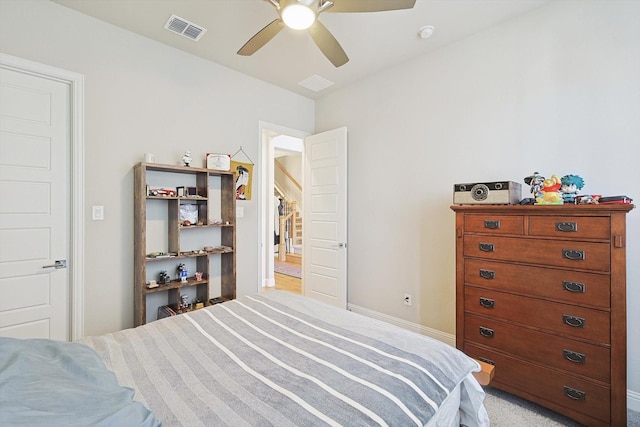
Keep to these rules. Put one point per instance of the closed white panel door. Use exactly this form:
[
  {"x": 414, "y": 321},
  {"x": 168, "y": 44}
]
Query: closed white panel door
[
  {"x": 325, "y": 217},
  {"x": 34, "y": 206}
]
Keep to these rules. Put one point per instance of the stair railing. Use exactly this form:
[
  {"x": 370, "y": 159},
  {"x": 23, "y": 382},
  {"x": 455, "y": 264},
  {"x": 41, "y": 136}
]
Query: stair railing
[{"x": 288, "y": 230}]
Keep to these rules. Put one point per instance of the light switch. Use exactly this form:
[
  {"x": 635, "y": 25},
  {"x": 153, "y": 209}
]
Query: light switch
[
  {"x": 97, "y": 213},
  {"x": 239, "y": 212}
]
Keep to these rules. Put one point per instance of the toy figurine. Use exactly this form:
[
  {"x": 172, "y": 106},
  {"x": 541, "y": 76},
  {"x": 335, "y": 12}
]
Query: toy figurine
[
  {"x": 186, "y": 159},
  {"x": 163, "y": 278},
  {"x": 549, "y": 191},
  {"x": 535, "y": 181},
  {"x": 185, "y": 302},
  {"x": 571, "y": 184},
  {"x": 182, "y": 272}
]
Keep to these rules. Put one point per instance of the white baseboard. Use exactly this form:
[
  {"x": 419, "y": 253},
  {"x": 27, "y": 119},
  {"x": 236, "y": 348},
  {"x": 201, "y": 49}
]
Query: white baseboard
[
  {"x": 269, "y": 283},
  {"x": 415, "y": 327},
  {"x": 633, "y": 397}
]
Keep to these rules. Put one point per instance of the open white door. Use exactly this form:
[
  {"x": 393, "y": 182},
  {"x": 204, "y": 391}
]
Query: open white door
[{"x": 325, "y": 217}]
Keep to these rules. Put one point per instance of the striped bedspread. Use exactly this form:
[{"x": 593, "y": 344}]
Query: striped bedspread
[{"x": 280, "y": 359}]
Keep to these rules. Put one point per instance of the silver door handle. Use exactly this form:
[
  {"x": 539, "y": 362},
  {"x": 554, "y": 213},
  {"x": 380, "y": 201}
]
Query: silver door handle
[{"x": 58, "y": 264}]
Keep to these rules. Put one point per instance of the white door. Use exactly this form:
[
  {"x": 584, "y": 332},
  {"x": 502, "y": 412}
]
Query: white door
[
  {"x": 325, "y": 217},
  {"x": 34, "y": 206}
]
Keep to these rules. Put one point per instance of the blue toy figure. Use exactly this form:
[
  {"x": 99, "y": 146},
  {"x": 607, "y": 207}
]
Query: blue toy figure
[
  {"x": 182, "y": 272},
  {"x": 571, "y": 184}
]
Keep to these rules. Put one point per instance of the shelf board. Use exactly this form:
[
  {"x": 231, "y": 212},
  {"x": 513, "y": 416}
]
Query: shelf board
[
  {"x": 175, "y": 284},
  {"x": 185, "y": 227},
  {"x": 162, "y": 197},
  {"x": 167, "y": 258},
  {"x": 182, "y": 169}
]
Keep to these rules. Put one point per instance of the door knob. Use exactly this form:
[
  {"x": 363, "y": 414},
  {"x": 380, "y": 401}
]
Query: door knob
[{"x": 58, "y": 264}]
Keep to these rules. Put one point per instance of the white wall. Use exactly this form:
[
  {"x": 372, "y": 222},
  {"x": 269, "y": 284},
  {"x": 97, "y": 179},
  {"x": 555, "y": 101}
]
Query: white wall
[
  {"x": 142, "y": 96},
  {"x": 556, "y": 91}
]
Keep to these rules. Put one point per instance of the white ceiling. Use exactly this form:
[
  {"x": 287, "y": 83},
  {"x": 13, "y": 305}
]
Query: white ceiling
[{"x": 373, "y": 41}]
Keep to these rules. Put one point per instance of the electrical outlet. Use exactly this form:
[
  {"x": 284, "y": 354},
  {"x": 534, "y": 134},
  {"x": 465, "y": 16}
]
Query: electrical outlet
[{"x": 407, "y": 300}]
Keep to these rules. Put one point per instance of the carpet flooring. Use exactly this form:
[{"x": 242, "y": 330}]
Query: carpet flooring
[
  {"x": 507, "y": 410},
  {"x": 288, "y": 269}
]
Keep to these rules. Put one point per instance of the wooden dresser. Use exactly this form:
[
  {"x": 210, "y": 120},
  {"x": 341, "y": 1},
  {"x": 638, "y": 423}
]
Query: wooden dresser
[{"x": 541, "y": 294}]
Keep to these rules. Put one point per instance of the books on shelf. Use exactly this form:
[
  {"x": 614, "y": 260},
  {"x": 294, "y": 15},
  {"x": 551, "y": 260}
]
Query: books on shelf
[{"x": 165, "y": 311}]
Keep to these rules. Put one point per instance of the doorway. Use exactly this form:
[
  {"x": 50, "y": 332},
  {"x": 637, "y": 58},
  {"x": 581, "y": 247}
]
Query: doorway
[
  {"x": 324, "y": 184},
  {"x": 282, "y": 154}
]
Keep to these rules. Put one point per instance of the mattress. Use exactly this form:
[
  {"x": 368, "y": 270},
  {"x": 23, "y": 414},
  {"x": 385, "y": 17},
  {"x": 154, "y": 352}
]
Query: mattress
[{"x": 277, "y": 358}]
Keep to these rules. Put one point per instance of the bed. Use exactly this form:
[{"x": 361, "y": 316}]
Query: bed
[{"x": 280, "y": 359}]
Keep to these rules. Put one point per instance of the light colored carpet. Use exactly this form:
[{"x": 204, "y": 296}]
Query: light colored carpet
[
  {"x": 288, "y": 269},
  {"x": 507, "y": 410}
]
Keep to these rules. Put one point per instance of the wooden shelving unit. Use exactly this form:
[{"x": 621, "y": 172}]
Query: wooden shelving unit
[{"x": 215, "y": 229}]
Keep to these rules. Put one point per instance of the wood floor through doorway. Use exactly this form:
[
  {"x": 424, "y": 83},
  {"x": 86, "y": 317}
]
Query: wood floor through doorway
[{"x": 288, "y": 283}]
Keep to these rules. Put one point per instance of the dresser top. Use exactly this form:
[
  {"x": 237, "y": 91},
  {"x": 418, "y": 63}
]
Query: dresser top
[{"x": 546, "y": 209}]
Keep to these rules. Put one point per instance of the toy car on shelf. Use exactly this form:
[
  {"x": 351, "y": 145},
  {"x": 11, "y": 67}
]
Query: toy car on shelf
[{"x": 163, "y": 192}]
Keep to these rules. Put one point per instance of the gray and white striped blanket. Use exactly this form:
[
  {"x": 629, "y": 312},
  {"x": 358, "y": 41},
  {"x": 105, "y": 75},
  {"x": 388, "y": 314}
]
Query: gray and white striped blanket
[{"x": 284, "y": 360}]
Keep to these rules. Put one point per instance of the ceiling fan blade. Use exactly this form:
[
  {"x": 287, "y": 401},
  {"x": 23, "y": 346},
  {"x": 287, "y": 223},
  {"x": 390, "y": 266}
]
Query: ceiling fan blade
[
  {"x": 346, "y": 6},
  {"x": 328, "y": 44},
  {"x": 261, "y": 37}
]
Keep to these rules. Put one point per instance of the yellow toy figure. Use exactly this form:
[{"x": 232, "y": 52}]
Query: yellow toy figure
[{"x": 549, "y": 192}]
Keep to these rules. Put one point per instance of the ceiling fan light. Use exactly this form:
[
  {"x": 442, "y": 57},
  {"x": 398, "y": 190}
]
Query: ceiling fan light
[{"x": 298, "y": 16}]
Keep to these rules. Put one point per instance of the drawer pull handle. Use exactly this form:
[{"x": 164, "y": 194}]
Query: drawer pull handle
[
  {"x": 574, "y": 321},
  {"x": 486, "y": 332},
  {"x": 573, "y": 254},
  {"x": 573, "y": 287},
  {"x": 486, "y": 247},
  {"x": 492, "y": 224},
  {"x": 487, "y": 303},
  {"x": 567, "y": 226},
  {"x": 489, "y": 361},
  {"x": 574, "y": 394},
  {"x": 574, "y": 356},
  {"x": 487, "y": 274}
]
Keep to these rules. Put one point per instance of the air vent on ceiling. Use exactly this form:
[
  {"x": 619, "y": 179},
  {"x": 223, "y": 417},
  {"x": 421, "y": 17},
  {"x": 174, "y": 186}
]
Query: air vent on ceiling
[
  {"x": 185, "y": 28},
  {"x": 315, "y": 83}
]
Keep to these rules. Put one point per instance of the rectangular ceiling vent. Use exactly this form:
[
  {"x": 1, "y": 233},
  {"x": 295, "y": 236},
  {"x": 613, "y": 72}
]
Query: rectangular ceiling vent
[{"x": 184, "y": 28}]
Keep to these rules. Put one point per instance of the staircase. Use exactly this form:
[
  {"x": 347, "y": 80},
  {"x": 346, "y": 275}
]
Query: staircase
[
  {"x": 298, "y": 239},
  {"x": 295, "y": 252},
  {"x": 288, "y": 190},
  {"x": 290, "y": 230}
]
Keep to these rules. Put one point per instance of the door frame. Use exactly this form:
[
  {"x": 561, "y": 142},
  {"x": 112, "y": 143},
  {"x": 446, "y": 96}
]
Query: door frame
[
  {"x": 75, "y": 83},
  {"x": 265, "y": 209}
]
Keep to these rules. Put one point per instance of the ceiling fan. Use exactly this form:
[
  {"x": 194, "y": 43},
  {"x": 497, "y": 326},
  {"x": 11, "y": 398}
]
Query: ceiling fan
[{"x": 303, "y": 14}]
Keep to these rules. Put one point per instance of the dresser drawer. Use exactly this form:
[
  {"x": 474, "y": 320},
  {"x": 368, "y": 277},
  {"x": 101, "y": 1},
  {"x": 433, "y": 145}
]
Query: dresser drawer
[
  {"x": 559, "y": 253},
  {"x": 494, "y": 224},
  {"x": 564, "y": 319},
  {"x": 570, "y": 227},
  {"x": 573, "y": 356},
  {"x": 569, "y": 286},
  {"x": 550, "y": 386}
]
